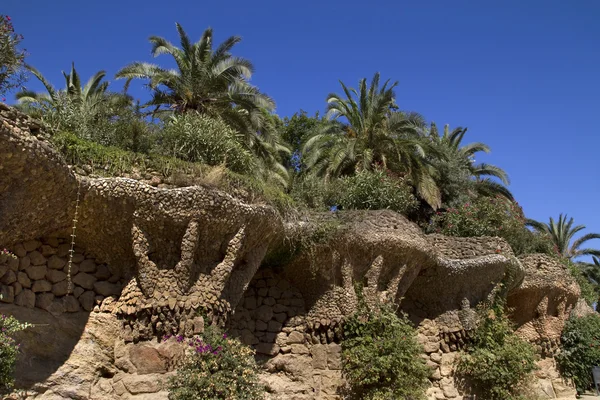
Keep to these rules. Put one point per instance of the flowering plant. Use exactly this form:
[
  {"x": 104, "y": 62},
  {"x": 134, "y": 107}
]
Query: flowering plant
[
  {"x": 5, "y": 255},
  {"x": 580, "y": 350},
  {"x": 216, "y": 367},
  {"x": 9, "y": 349},
  {"x": 491, "y": 216},
  {"x": 11, "y": 58}
]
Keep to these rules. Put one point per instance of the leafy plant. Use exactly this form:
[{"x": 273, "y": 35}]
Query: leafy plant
[
  {"x": 208, "y": 140},
  {"x": 589, "y": 290},
  {"x": 9, "y": 349},
  {"x": 491, "y": 216},
  {"x": 11, "y": 58},
  {"x": 381, "y": 356},
  {"x": 498, "y": 362},
  {"x": 580, "y": 350},
  {"x": 85, "y": 110},
  {"x": 458, "y": 174},
  {"x": 376, "y": 190},
  {"x": 216, "y": 367},
  {"x": 366, "y": 131},
  {"x": 562, "y": 233}
]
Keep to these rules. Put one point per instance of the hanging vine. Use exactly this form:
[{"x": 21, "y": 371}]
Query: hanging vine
[{"x": 73, "y": 235}]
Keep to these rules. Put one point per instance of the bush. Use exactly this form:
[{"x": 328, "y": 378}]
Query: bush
[
  {"x": 313, "y": 192},
  {"x": 375, "y": 190},
  {"x": 9, "y": 349},
  {"x": 589, "y": 291},
  {"x": 498, "y": 362},
  {"x": 11, "y": 58},
  {"x": 381, "y": 358},
  {"x": 216, "y": 367},
  {"x": 580, "y": 350},
  {"x": 487, "y": 216},
  {"x": 208, "y": 140}
]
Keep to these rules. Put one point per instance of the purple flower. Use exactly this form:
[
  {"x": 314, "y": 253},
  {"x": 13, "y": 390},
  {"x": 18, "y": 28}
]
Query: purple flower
[
  {"x": 224, "y": 336},
  {"x": 179, "y": 338}
]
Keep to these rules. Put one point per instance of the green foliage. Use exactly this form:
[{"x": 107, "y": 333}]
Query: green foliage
[
  {"x": 200, "y": 138},
  {"x": 114, "y": 161},
  {"x": 87, "y": 110},
  {"x": 457, "y": 173},
  {"x": 375, "y": 190},
  {"x": 589, "y": 290},
  {"x": 207, "y": 80},
  {"x": 580, "y": 350},
  {"x": 381, "y": 356},
  {"x": 297, "y": 128},
  {"x": 366, "y": 190},
  {"x": 216, "y": 367},
  {"x": 313, "y": 192},
  {"x": 491, "y": 216},
  {"x": 365, "y": 132},
  {"x": 9, "y": 350},
  {"x": 562, "y": 234},
  {"x": 498, "y": 362},
  {"x": 107, "y": 159},
  {"x": 12, "y": 59}
]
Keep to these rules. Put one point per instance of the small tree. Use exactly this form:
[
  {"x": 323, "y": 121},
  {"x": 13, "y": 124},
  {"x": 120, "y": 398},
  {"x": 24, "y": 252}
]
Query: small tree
[
  {"x": 381, "y": 356},
  {"x": 580, "y": 350},
  {"x": 498, "y": 362},
  {"x": 11, "y": 58}
]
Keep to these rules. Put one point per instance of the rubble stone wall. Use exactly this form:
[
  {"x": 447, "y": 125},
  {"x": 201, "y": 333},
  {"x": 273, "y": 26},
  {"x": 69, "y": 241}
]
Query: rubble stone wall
[{"x": 39, "y": 276}]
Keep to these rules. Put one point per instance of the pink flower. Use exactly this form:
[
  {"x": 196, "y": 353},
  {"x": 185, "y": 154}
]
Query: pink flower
[
  {"x": 8, "y": 18},
  {"x": 4, "y": 99}
]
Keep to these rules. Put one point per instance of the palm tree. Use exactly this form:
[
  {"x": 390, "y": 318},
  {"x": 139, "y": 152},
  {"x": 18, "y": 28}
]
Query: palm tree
[
  {"x": 562, "y": 233},
  {"x": 75, "y": 107},
  {"x": 205, "y": 80},
  {"x": 366, "y": 131},
  {"x": 463, "y": 157},
  {"x": 90, "y": 96}
]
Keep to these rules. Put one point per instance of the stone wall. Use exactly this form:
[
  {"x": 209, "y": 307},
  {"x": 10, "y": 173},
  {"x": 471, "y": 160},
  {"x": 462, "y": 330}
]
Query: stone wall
[
  {"x": 303, "y": 361},
  {"x": 152, "y": 261},
  {"x": 38, "y": 276}
]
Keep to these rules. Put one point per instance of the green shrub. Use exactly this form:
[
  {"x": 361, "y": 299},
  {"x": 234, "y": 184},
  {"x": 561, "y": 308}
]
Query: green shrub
[
  {"x": 208, "y": 140},
  {"x": 381, "y": 358},
  {"x": 498, "y": 362},
  {"x": 589, "y": 291},
  {"x": 216, "y": 367},
  {"x": 375, "y": 190},
  {"x": 580, "y": 350},
  {"x": 9, "y": 349},
  {"x": 313, "y": 192},
  {"x": 487, "y": 216}
]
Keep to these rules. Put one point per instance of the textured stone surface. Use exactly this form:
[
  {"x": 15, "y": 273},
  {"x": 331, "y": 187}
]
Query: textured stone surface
[
  {"x": 545, "y": 300},
  {"x": 149, "y": 260}
]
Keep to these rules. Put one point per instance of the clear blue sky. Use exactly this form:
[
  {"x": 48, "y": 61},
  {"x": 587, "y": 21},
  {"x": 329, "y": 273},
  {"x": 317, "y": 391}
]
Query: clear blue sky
[{"x": 523, "y": 76}]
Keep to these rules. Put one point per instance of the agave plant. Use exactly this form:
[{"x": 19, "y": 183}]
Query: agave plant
[
  {"x": 562, "y": 234},
  {"x": 366, "y": 131}
]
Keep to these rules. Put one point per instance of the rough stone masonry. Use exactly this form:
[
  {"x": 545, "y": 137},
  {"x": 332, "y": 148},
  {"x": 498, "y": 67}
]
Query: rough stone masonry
[{"x": 152, "y": 261}]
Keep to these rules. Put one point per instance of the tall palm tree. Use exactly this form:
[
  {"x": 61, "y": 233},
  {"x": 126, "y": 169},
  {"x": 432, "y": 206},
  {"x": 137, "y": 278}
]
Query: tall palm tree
[
  {"x": 206, "y": 80},
  {"x": 562, "y": 233},
  {"x": 367, "y": 131},
  {"x": 463, "y": 156}
]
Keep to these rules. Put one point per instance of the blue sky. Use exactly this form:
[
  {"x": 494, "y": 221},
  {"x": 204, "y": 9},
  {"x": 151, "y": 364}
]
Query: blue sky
[{"x": 521, "y": 75}]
